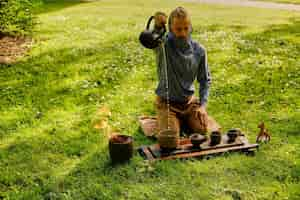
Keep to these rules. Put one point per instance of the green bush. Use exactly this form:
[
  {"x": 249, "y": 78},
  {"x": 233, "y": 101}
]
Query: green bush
[{"x": 16, "y": 16}]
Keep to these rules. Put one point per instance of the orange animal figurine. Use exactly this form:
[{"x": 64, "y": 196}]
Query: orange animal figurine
[{"x": 263, "y": 135}]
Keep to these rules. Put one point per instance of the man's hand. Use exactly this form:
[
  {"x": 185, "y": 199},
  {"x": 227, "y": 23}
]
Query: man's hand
[
  {"x": 160, "y": 19},
  {"x": 203, "y": 117}
]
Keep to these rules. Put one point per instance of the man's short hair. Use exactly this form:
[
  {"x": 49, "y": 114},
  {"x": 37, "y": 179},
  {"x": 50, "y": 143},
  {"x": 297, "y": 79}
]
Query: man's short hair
[
  {"x": 160, "y": 13},
  {"x": 178, "y": 12}
]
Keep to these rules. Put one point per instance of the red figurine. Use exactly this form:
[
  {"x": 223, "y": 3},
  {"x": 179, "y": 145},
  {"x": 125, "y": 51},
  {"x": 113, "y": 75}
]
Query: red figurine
[{"x": 263, "y": 135}]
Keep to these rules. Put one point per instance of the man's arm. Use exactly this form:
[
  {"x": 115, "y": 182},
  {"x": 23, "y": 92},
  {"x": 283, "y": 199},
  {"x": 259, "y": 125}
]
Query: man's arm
[
  {"x": 160, "y": 20},
  {"x": 204, "y": 78}
]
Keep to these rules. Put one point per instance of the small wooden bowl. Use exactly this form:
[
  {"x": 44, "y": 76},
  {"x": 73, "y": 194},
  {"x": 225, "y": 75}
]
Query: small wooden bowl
[
  {"x": 120, "y": 148},
  {"x": 168, "y": 139}
]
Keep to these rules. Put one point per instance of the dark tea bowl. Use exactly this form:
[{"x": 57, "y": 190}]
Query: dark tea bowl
[
  {"x": 197, "y": 139},
  {"x": 215, "y": 138},
  {"x": 232, "y": 135}
]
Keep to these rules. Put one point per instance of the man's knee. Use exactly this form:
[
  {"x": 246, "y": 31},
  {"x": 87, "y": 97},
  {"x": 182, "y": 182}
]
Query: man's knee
[{"x": 196, "y": 124}]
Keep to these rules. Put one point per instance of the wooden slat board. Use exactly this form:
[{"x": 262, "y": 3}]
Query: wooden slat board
[{"x": 185, "y": 150}]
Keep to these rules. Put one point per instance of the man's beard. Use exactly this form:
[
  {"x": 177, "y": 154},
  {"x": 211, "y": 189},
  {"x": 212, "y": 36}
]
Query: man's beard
[{"x": 181, "y": 43}]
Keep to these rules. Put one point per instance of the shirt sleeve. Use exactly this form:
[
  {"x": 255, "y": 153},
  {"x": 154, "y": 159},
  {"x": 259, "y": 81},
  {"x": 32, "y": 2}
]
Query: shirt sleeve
[{"x": 204, "y": 79}]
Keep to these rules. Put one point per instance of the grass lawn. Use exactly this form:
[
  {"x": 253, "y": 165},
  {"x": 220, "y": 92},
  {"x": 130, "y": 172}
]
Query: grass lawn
[
  {"x": 86, "y": 56},
  {"x": 283, "y": 1}
]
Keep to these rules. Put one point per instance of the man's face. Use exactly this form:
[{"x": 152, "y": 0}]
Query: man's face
[{"x": 181, "y": 27}]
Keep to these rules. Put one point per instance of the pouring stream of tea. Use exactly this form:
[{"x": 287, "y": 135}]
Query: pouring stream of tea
[{"x": 167, "y": 82}]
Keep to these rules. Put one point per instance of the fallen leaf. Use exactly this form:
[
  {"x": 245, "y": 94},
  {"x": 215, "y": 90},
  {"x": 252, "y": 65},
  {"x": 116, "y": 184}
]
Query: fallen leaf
[
  {"x": 104, "y": 111},
  {"x": 101, "y": 125}
]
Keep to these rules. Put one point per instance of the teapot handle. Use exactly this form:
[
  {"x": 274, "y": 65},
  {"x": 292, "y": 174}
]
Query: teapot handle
[
  {"x": 149, "y": 21},
  {"x": 148, "y": 27}
]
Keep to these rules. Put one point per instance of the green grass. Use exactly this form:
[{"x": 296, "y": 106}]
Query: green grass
[
  {"x": 46, "y": 6},
  {"x": 87, "y": 55},
  {"x": 283, "y": 1}
]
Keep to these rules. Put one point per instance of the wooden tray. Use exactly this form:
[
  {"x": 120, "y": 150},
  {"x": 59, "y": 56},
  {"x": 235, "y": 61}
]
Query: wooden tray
[{"x": 186, "y": 149}]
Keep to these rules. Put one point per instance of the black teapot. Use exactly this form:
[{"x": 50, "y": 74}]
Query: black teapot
[{"x": 151, "y": 39}]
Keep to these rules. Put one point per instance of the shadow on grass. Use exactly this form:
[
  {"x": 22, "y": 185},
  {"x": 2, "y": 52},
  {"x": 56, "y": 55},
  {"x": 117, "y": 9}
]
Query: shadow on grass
[
  {"x": 63, "y": 79},
  {"x": 37, "y": 84}
]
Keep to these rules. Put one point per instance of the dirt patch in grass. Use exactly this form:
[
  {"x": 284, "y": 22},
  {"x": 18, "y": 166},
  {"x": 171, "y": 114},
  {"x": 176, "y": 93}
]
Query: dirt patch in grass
[{"x": 12, "y": 48}]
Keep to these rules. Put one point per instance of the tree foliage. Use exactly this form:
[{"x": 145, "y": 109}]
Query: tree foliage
[{"x": 17, "y": 16}]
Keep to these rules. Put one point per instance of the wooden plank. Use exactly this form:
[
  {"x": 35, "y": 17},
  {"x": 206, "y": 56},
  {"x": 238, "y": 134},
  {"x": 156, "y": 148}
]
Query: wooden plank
[
  {"x": 186, "y": 146},
  {"x": 155, "y": 150},
  {"x": 144, "y": 151},
  {"x": 186, "y": 150},
  {"x": 209, "y": 152},
  {"x": 190, "y": 149},
  {"x": 208, "y": 147},
  {"x": 149, "y": 155}
]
